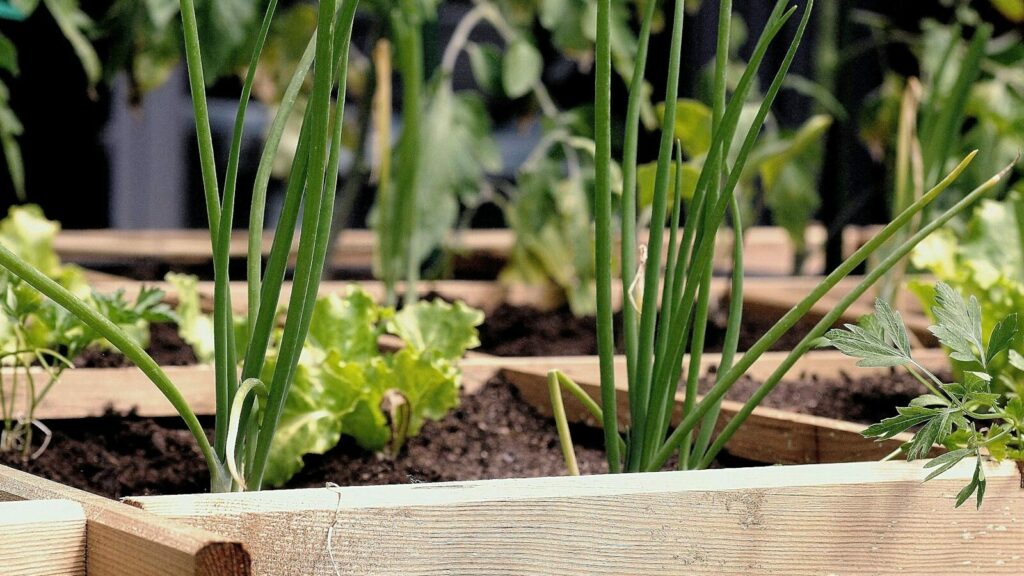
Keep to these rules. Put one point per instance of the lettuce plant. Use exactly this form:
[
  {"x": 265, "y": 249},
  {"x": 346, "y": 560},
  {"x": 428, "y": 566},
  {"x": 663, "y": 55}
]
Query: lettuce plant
[
  {"x": 249, "y": 405},
  {"x": 658, "y": 337},
  {"x": 973, "y": 415},
  {"x": 344, "y": 383}
]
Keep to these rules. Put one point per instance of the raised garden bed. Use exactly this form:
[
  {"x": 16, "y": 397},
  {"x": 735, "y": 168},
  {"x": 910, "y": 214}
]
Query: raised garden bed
[
  {"x": 780, "y": 434},
  {"x": 479, "y": 253}
]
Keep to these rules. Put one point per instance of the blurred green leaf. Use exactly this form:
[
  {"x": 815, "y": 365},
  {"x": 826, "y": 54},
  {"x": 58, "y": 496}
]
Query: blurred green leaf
[
  {"x": 486, "y": 63},
  {"x": 521, "y": 68}
]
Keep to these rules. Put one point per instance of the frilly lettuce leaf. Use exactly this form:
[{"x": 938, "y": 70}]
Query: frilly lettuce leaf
[
  {"x": 348, "y": 325},
  {"x": 194, "y": 327},
  {"x": 26, "y": 232},
  {"x": 437, "y": 329},
  {"x": 345, "y": 385},
  {"x": 311, "y": 422}
]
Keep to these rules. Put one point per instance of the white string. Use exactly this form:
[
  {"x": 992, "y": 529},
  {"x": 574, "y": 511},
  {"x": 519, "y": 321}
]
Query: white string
[
  {"x": 637, "y": 286},
  {"x": 330, "y": 529},
  {"x": 47, "y": 436}
]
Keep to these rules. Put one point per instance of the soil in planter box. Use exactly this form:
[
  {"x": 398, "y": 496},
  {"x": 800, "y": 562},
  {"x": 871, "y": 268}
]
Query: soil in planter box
[
  {"x": 526, "y": 331},
  {"x": 865, "y": 399},
  {"x": 493, "y": 434},
  {"x": 165, "y": 346}
]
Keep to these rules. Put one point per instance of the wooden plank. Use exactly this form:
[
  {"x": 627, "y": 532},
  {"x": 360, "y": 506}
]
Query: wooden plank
[
  {"x": 849, "y": 519},
  {"x": 42, "y": 538},
  {"x": 485, "y": 295},
  {"x": 769, "y": 251},
  {"x": 768, "y": 435},
  {"x": 125, "y": 541},
  {"x": 89, "y": 392}
]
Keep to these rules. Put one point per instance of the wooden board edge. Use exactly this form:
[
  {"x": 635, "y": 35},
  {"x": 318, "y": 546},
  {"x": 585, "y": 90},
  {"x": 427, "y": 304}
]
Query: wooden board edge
[
  {"x": 864, "y": 514},
  {"x": 123, "y": 540},
  {"x": 42, "y": 536}
]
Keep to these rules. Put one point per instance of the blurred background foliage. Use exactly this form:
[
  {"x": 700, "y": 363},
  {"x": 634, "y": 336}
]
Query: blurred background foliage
[{"x": 504, "y": 112}]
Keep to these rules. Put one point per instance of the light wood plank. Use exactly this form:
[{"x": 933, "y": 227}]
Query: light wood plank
[
  {"x": 849, "y": 519},
  {"x": 125, "y": 541},
  {"x": 42, "y": 538},
  {"x": 768, "y": 249}
]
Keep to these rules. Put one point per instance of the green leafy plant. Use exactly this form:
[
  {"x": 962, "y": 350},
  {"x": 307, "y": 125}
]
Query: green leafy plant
[
  {"x": 974, "y": 415},
  {"x": 981, "y": 259},
  {"x": 249, "y": 409},
  {"x": 781, "y": 174},
  {"x": 37, "y": 333},
  {"x": 345, "y": 384},
  {"x": 656, "y": 338},
  {"x": 967, "y": 95}
]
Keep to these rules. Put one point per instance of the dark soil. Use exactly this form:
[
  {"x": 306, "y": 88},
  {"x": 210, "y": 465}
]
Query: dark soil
[
  {"x": 493, "y": 434},
  {"x": 865, "y": 399},
  {"x": 527, "y": 331},
  {"x": 165, "y": 346}
]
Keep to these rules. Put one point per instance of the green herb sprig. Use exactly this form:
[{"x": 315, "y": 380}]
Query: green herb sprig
[{"x": 971, "y": 416}]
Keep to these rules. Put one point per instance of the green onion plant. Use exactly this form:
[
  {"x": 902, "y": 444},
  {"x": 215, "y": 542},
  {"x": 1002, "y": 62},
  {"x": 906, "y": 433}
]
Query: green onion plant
[
  {"x": 657, "y": 338},
  {"x": 249, "y": 406}
]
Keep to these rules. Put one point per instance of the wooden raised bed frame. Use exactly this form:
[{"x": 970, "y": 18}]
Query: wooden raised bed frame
[
  {"x": 118, "y": 539},
  {"x": 816, "y": 519},
  {"x": 768, "y": 250},
  {"x": 850, "y": 519},
  {"x": 858, "y": 513}
]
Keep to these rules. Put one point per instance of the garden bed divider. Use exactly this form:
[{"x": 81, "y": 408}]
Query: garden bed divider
[{"x": 768, "y": 435}]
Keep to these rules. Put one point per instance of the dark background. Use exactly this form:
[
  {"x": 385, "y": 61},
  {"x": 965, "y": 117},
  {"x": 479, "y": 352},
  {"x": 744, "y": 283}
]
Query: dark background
[{"x": 89, "y": 158}]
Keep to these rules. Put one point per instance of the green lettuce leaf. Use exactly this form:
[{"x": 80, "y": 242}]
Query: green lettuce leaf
[{"x": 437, "y": 329}]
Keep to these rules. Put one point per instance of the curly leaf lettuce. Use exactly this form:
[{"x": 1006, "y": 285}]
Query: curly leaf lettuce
[{"x": 346, "y": 385}]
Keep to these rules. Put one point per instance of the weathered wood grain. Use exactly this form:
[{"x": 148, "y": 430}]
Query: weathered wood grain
[
  {"x": 42, "y": 538},
  {"x": 125, "y": 541},
  {"x": 849, "y": 519}
]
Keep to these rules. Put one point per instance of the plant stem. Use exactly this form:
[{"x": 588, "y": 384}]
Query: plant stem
[
  {"x": 640, "y": 445},
  {"x": 410, "y": 58},
  {"x": 263, "y": 172},
  {"x": 630, "y": 325},
  {"x": 197, "y": 85},
  {"x": 564, "y": 436},
  {"x": 603, "y": 238}
]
